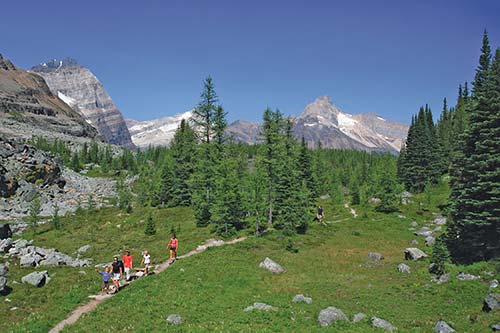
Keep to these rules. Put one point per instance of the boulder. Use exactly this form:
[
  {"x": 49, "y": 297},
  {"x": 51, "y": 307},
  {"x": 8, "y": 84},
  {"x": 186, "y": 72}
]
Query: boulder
[
  {"x": 494, "y": 284},
  {"x": 495, "y": 327},
  {"x": 491, "y": 302},
  {"x": 301, "y": 298},
  {"x": 375, "y": 256},
  {"x": 271, "y": 266},
  {"x": 3, "y": 283},
  {"x": 414, "y": 242},
  {"x": 405, "y": 197},
  {"x": 430, "y": 240},
  {"x": 358, "y": 317},
  {"x": 331, "y": 315},
  {"x": 3, "y": 269},
  {"x": 441, "y": 279},
  {"x": 261, "y": 307},
  {"x": 383, "y": 324},
  {"x": 414, "y": 224},
  {"x": 5, "y": 245},
  {"x": 467, "y": 277},
  {"x": 5, "y": 231},
  {"x": 443, "y": 327},
  {"x": 174, "y": 319},
  {"x": 37, "y": 279},
  {"x": 374, "y": 200},
  {"x": 84, "y": 248},
  {"x": 439, "y": 219},
  {"x": 424, "y": 231},
  {"x": 403, "y": 268},
  {"x": 29, "y": 260},
  {"x": 21, "y": 243},
  {"x": 412, "y": 253}
]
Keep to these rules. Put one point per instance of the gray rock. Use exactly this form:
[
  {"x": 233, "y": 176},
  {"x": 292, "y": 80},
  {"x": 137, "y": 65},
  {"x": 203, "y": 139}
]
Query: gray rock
[
  {"x": 29, "y": 260},
  {"x": 401, "y": 216},
  {"x": 261, "y": 307},
  {"x": 374, "y": 200},
  {"x": 331, "y": 315},
  {"x": 383, "y": 324},
  {"x": 375, "y": 256},
  {"x": 403, "y": 268},
  {"x": 424, "y": 231},
  {"x": 414, "y": 224},
  {"x": 82, "y": 272},
  {"x": 467, "y": 277},
  {"x": 491, "y": 302},
  {"x": 3, "y": 283},
  {"x": 3, "y": 269},
  {"x": 174, "y": 319},
  {"x": 430, "y": 240},
  {"x": 493, "y": 284},
  {"x": 21, "y": 243},
  {"x": 84, "y": 248},
  {"x": 441, "y": 279},
  {"x": 271, "y": 266},
  {"x": 405, "y": 198},
  {"x": 301, "y": 298},
  {"x": 412, "y": 253},
  {"x": 443, "y": 327},
  {"x": 414, "y": 242},
  {"x": 495, "y": 327},
  {"x": 5, "y": 245},
  {"x": 37, "y": 279},
  {"x": 439, "y": 219},
  {"x": 358, "y": 317}
]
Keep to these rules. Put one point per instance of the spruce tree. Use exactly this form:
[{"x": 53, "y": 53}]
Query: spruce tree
[
  {"x": 56, "y": 220},
  {"x": 204, "y": 113},
  {"x": 35, "y": 209},
  {"x": 474, "y": 229}
]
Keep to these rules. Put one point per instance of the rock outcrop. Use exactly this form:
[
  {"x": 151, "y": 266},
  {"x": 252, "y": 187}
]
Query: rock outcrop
[
  {"x": 28, "y": 108},
  {"x": 83, "y": 92}
]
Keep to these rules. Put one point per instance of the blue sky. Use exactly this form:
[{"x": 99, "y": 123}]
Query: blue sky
[{"x": 387, "y": 57}]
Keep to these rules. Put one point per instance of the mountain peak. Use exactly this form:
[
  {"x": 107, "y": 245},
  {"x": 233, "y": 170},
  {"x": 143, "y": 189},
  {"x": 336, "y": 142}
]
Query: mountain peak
[
  {"x": 322, "y": 107},
  {"x": 55, "y": 64},
  {"x": 6, "y": 64}
]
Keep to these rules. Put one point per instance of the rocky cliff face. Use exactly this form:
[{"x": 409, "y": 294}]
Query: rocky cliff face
[
  {"x": 28, "y": 108},
  {"x": 81, "y": 90}
]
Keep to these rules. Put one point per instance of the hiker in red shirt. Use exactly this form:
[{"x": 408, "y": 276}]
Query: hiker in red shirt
[
  {"x": 173, "y": 245},
  {"x": 127, "y": 263}
]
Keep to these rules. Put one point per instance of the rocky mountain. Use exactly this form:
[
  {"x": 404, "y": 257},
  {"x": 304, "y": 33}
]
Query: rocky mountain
[
  {"x": 28, "y": 108},
  {"x": 323, "y": 121},
  {"x": 157, "y": 132},
  {"x": 320, "y": 121},
  {"x": 80, "y": 89}
]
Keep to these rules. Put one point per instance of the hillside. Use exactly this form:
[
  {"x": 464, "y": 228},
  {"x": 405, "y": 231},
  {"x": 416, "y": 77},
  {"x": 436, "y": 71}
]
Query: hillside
[{"x": 211, "y": 290}]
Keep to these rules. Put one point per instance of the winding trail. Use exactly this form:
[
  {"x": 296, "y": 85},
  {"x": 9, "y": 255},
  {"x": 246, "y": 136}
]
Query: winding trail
[{"x": 97, "y": 299}]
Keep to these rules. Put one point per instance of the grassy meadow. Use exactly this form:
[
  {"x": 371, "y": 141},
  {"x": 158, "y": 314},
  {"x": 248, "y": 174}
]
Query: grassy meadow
[{"x": 211, "y": 290}]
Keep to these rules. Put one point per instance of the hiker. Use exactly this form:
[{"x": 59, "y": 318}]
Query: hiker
[
  {"x": 127, "y": 263},
  {"x": 146, "y": 260},
  {"x": 106, "y": 275},
  {"x": 117, "y": 270},
  {"x": 173, "y": 245},
  {"x": 320, "y": 214}
]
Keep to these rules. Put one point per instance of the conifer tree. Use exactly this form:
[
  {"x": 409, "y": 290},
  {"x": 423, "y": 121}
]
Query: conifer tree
[
  {"x": 474, "y": 229},
  {"x": 150, "y": 226},
  {"x": 204, "y": 113},
  {"x": 35, "y": 209},
  {"x": 56, "y": 220}
]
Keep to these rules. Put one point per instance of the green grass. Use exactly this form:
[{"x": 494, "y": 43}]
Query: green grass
[{"x": 210, "y": 290}]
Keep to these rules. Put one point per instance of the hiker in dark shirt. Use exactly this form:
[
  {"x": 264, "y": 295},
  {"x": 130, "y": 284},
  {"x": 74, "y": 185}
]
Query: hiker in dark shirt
[
  {"x": 320, "y": 214},
  {"x": 117, "y": 270}
]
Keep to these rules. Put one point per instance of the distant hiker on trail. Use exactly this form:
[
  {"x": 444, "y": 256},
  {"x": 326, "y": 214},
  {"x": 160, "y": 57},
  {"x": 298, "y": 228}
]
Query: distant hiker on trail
[
  {"x": 127, "y": 263},
  {"x": 117, "y": 269},
  {"x": 320, "y": 214},
  {"x": 106, "y": 275},
  {"x": 173, "y": 246},
  {"x": 146, "y": 260}
]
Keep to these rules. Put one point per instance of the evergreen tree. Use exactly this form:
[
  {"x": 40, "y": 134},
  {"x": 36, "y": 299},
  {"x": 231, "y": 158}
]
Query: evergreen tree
[
  {"x": 35, "y": 209},
  {"x": 440, "y": 257},
  {"x": 202, "y": 184},
  {"x": 389, "y": 191},
  {"x": 205, "y": 112},
  {"x": 474, "y": 229},
  {"x": 150, "y": 226},
  {"x": 56, "y": 220},
  {"x": 219, "y": 127}
]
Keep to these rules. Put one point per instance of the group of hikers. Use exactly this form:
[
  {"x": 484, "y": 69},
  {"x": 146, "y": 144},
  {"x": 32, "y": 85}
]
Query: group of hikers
[{"x": 122, "y": 266}]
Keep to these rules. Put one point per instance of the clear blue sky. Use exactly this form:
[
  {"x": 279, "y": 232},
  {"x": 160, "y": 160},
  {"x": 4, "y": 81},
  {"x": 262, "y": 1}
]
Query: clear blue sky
[{"x": 387, "y": 57}]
